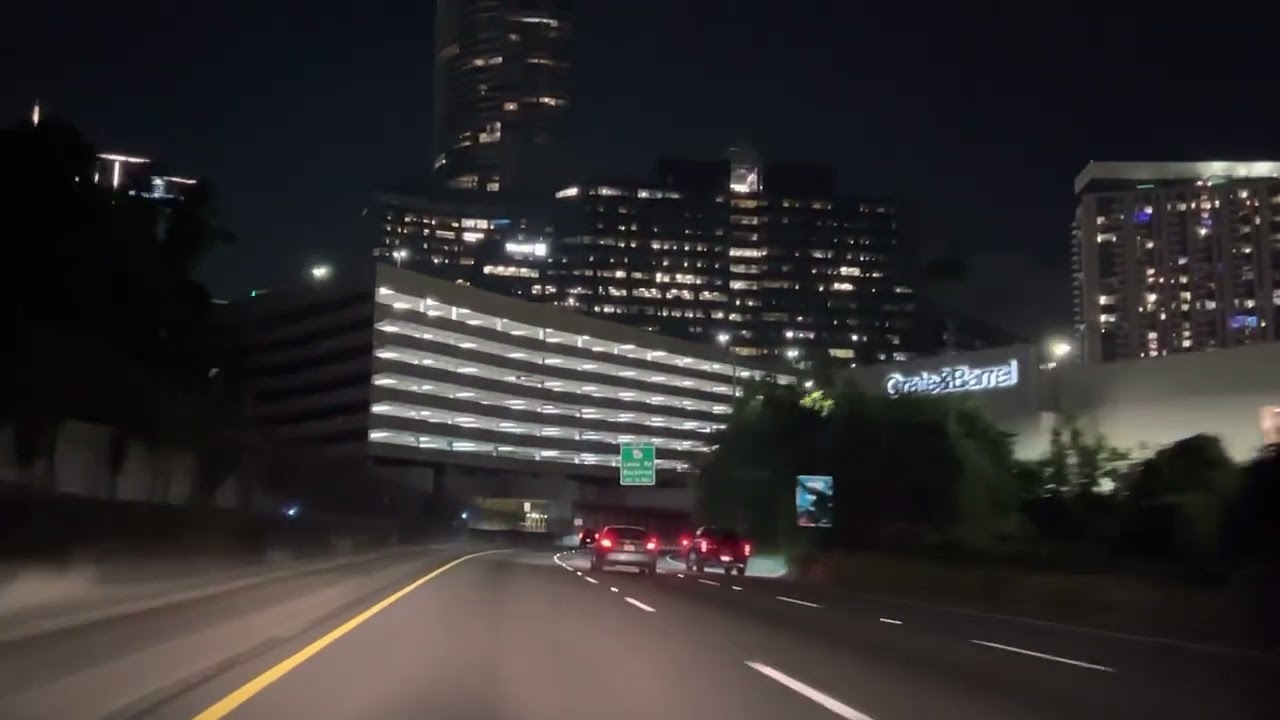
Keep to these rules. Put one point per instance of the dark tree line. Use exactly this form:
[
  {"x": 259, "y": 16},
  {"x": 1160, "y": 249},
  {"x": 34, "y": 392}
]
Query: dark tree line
[
  {"x": 935, "y": 476},
  {"x": 103, "y": 319}
]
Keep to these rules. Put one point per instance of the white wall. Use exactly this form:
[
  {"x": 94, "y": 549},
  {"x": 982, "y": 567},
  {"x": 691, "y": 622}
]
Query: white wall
[
  {"x": 1151, "y": 402},
  {"x": 1158, "y": 401}
]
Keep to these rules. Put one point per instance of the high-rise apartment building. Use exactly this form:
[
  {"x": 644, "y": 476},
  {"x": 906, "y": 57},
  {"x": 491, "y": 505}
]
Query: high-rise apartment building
[
  {"x": 131, "y": 174},
  {"x": 138, "y": 176},
  {"x": 769, "y": 260},
  {"x": 501, "y": 92},
  {"x": 1176, "y": 257}
]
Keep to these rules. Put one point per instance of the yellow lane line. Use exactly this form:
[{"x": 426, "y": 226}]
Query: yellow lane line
[{"x": 223, "y": 707}]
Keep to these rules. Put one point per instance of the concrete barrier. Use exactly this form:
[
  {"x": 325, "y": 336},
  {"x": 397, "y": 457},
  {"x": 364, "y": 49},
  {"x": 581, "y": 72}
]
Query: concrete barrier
[{"x": 36, "y": 599}]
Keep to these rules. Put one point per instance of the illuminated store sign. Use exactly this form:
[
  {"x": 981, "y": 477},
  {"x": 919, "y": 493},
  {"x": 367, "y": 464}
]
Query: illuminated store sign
[
  {"x": 957, "y": 378},
  {"x": 538, "y": 249}
]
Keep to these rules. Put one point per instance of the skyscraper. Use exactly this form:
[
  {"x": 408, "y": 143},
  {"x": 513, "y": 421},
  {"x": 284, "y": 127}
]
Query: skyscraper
[
  {"x": 768, "y": 259},
  {"x": 1176, "y": 257},
  {"x": 501, "y": 92}
]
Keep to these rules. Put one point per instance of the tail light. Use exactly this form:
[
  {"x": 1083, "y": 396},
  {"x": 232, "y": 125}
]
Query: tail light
[
  {"x": 580, "y": 535},
  {"x": 651, "y": 545},
  {"x": 684, "y": 542},
  {"x": 606, "y": 542},
  {"x": 746, "y": 549},
  {"x": 702, "y": 546}
]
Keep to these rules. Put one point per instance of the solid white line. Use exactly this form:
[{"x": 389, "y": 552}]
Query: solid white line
[
  {"x": 821, "y": 698},
  {"x": 735, "y": 587},
  {"x": 708, "y": 582},
  {"x": 891, "y": 622},
  {"x": 591, "y": 580},
  {"x": 613, "y": 589},
  {"x": 798, "y": 602},
  {"x": 679, "y": 574},
  {"x": 579, "y": 574},
  {"x": 1042, "y": 656},
  {"x": 640, "y": 605}
]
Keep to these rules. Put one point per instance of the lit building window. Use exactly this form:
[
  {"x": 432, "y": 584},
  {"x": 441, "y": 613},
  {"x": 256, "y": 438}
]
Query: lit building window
[{"x": 491, "y": 133}]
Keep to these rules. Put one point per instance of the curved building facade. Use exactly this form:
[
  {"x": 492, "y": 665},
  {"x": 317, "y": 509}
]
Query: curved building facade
[{"x": 501, "y": 92}]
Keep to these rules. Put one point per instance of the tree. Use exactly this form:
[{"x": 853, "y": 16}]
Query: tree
[
  {"x": 107, "y": 323},
  {"x": 923, "y": 465},
  {"x": 1178, "y": 499}
]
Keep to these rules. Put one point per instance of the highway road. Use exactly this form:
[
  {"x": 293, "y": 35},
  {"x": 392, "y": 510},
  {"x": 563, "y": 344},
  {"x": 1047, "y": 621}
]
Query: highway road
[{"x": 529, "y": 635}]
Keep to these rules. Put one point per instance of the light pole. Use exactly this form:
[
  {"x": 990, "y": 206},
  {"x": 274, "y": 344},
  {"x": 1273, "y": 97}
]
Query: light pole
[
  {"x": 724, "y": 338},
  {"x": 399, "y": 254},
  {"x": 1059, "y": 350}
]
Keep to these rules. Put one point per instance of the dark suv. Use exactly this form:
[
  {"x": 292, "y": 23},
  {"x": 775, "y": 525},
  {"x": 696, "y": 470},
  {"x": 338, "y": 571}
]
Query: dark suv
[
  {"x": 717, "y": 547},
  {"x": 586, "y": 538}
]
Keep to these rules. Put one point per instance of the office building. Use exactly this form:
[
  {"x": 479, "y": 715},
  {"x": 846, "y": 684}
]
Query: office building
[
  {"x": 1174, "y": 257},
  {"x": 138, "y": 176},
  {"x": 501, "y": 92},
  {"x": 769, "y": 260},
  {"x": 464, "y": 237},
  {"x": 131, "y": 174},
  {"x": 480, "y": 394}
]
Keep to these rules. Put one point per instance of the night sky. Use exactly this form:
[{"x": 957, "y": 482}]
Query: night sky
[{"x": 977, "y": 122}]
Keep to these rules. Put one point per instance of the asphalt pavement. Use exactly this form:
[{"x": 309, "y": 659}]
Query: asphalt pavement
[{"x": 529, "y": 635}]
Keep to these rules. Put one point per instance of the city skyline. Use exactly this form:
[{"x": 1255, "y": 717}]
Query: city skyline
[{"x": 298, "y": 145}]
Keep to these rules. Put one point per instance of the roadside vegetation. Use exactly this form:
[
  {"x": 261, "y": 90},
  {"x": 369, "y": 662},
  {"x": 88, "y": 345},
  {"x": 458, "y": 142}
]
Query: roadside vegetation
[{"x": 930, "y": 503}]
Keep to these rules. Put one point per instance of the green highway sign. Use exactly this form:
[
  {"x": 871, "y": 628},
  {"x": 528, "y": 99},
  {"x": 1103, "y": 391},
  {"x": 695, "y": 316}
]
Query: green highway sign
[{"x": 636, "y": 464}]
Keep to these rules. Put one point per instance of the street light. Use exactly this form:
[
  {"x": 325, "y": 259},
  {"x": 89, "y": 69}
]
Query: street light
[
  {"x": 1060, "y": 349},
  {"x": 724, "y": 338},
  {"x": 321, "y": 272},
  {"x": 399, "y": 254}
]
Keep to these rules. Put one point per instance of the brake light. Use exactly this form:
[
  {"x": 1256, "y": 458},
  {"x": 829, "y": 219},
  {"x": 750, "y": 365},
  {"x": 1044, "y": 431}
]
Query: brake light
[
  {"x": 746, "y": 548},
  {"x": 702, "y": 546},
  {"x": 606, "y": 542},
  {"x": 651, "y": 545}
]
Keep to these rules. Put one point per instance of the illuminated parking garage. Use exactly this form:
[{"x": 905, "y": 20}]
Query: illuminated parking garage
[{"x": 462, "y": 371}]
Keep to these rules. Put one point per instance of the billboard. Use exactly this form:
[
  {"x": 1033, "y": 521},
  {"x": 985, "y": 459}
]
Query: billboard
[{"x": 813, "y": 500}]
